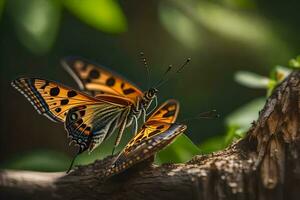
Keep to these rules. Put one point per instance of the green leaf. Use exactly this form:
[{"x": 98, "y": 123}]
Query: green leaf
[
  {"x": 233, "y": 133},
  {"x": 104, "y": 15},
  {"x": 251, "y": 80},
  {"x": 241, "y": 119},
  {"x": 212, "y": 144},
  {"x": 181, "y": 150},
  {"x": 295, "y": 62},
  {"x": 279, "y": 73},
  {"x": 233, "y": 23},
  {"x": 36, "y": 23},
  {"x": 42, "y": 160},
  {"x": 245, "y": 115}
]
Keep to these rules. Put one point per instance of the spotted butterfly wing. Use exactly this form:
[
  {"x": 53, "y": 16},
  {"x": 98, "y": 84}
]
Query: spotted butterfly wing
[
  {"x": 88, "y": 120},
  {"x": 158, "y": 131},
  {"x": 49, "y": 98},
  {"x": 166, "y": 113},
  {"x": 97, "y": 79},
  {"x": 91, "y": 124}
]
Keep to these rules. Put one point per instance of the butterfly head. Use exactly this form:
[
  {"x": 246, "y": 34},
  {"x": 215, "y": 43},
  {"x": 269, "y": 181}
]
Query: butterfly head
[{"x": 150, "y": 94}]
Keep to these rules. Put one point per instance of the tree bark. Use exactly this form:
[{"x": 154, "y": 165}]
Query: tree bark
[{"x": 264, "y": 164}]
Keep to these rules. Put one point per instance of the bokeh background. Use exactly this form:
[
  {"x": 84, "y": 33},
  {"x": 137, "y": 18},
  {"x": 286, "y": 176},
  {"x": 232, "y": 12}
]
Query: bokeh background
[{"x": 222, "y": 37}]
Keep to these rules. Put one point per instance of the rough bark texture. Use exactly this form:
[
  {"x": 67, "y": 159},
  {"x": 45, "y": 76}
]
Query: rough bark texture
[{"x": 263, "y": 165}]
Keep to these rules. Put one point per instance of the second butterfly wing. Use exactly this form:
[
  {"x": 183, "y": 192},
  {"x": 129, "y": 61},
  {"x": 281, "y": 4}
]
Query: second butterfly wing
[
  {"x": 97, "y": 79},
  {"x": 158, "y": 131}
]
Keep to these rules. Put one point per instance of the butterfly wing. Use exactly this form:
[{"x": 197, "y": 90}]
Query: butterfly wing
[
  {"x": 159, "y": 122},
  {"x": 154, "y": 136},
  {"x": 98, "y": 80},
  {"x": 167, "y": 112},
  {"x": 88, "y": 120},
  {"x": 50, "y": 98},
  {"x": 90, "y": 125},
  {"x": 146, "y": 143}
]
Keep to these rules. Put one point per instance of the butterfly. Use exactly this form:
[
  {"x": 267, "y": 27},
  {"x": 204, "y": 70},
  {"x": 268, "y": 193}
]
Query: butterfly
[
  {"x": 157, "y": 132},
  {"x": 113, "y": 102},
  {"x": 100, "y": 82}
]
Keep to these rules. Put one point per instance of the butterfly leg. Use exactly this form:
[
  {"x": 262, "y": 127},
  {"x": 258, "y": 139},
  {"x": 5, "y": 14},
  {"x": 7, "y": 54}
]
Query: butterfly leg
[
  {"x": 155, "y": 100},
  {"x": 135, "y": 125},
  {"x": 120, "y": 134},
  {"x": 72, "y": 162},
  {"x": 144, "y": 115}
]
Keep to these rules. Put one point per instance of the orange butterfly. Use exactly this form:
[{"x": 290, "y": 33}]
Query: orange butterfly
[
  {"x": 157, "y": 132},
  {"x": 89, "y": 120}
]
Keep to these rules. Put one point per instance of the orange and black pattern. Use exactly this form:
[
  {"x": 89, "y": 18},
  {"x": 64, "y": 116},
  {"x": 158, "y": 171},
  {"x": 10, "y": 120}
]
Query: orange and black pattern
[
  {"x": 50, "y": 98},
  {"x": 167, "y": 112},
  {"x": 97, "y": 79},
  {"x": 158, "y": 131},
  {"x": 88, "y": 120}
]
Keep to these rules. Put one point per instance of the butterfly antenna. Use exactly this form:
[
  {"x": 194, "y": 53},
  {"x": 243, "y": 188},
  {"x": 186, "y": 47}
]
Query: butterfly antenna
[
  {"x": 144, "y": 60},
  {"x": 162, "y": 83},
  {"x": 183, "y": 65},
  {"x": 212, "y": 114},
  {"x": 72, "y": 162},
  {"x": 162, "y": 80}
]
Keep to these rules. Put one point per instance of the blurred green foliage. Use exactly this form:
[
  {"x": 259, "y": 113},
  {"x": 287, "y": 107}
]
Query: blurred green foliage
[
  {"x": 252, "y": 80},
  {"x": 212, "y": 144},
  {"x": 178, "y": 24},
  {"x": 240, "y": 120},
  {"x": 40, "y": 160},
  {"x": 242, "y": 117},
  {"x": 237, "y": 123},
  {"x": 295, "y": 62},
  {"x": 181, "y": 150},
  {"x": 235, "y": 24},
  {"x": 203, "y": 19},
  {"x": 105, "y": 15},
  {"x": 36, "y": 23}
]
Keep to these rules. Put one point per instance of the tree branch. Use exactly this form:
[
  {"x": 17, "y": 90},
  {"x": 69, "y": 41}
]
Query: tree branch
[{"x": 263, "y": 165}]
